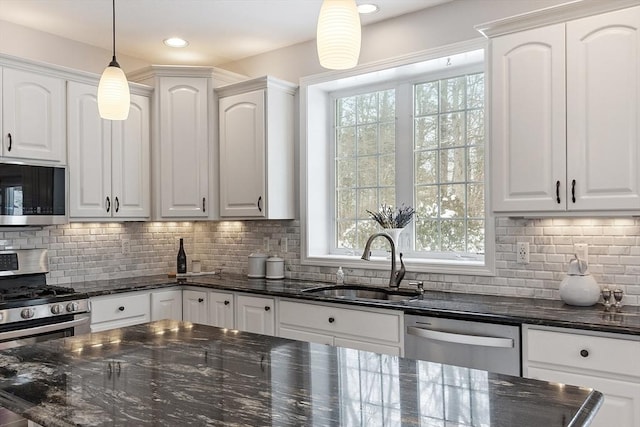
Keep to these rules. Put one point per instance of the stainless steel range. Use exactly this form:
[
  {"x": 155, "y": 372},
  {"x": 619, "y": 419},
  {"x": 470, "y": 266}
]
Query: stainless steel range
[{"x": 31, "y": 310}]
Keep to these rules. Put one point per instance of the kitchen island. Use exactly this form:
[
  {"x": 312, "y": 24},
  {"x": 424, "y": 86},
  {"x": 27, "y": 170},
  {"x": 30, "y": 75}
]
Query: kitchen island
[{"x": 170, "y": 373}]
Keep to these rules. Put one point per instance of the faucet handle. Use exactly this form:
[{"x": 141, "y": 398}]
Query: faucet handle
[{"x": 419, "y": 284}]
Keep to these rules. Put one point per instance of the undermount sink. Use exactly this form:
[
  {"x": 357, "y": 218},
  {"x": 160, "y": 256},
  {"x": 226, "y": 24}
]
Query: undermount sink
[{"x": 363, "y": 292}]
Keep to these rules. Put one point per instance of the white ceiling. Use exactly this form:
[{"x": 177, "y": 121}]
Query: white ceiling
[{"x": 218, "y": 31}]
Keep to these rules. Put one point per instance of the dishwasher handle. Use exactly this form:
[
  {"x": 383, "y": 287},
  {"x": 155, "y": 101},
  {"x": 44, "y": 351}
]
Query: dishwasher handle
[{"x": 460, "y": 338}]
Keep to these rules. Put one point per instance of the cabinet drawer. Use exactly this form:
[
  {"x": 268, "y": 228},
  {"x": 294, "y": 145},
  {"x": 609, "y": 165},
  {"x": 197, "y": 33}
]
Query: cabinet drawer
[
  {"x": 342, "y": 321},
  {"x": 119, "y": 307},
  {"x": 583, "y": 351}
]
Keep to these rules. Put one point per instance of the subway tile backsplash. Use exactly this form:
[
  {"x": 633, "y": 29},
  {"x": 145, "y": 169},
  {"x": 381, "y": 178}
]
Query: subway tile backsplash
[{"x": 91, "y": 251}]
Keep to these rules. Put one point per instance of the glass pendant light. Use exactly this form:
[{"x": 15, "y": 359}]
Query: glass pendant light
[
  {"x": 113, "y": 90},
  {"x": 338, "y": 34}
]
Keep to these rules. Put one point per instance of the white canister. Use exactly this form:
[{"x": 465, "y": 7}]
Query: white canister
[
  {"x": 275, "y": 268},
  {"x": 257, "y": 266}
]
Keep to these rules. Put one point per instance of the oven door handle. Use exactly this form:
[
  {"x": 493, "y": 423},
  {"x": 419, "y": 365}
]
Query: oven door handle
[
  {"x": 461, "y": 338},
  {"x": 21, "y": 333}
]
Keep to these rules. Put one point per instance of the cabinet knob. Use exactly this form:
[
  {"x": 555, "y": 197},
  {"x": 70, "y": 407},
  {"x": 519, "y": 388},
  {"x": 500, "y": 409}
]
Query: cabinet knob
[
  {"x": 226, "y": 302},
  {"x": 121, "y": 308},
  {"x": 267, "y": 308},
  {"x": 584, "y": 353},
  {"x": 200, "y": 299},
  {"x": 331, "y": 320}
]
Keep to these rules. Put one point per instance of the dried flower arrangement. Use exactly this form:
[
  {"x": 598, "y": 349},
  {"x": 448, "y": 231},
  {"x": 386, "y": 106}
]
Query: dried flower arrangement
[{"x": 387, "y": 217}]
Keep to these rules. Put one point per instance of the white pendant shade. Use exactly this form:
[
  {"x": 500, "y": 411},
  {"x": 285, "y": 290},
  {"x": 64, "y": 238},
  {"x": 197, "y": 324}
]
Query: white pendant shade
[
  {"x": 113, "y": 94},
  {"x": 338, "y": 35}
]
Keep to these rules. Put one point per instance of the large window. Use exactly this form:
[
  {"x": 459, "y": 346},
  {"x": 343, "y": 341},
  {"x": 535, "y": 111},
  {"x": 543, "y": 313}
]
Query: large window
[
  {"x": 445, "y": 160},
  {"x": 411, "y": 135}
]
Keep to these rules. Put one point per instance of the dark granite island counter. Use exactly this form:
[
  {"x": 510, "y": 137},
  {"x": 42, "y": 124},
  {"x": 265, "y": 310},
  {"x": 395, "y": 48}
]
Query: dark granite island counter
[{"x": 171, "y": 373}]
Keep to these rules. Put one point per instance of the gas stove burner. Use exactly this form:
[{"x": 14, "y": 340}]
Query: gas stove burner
[{"x": 29, "y": 292}]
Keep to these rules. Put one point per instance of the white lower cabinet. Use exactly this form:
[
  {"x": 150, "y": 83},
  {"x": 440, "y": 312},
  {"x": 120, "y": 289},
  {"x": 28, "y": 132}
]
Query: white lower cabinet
[
  {"x": 605, "y": 362},
  {"x": 221, "y": 311},
  {"x": 120, "y": 310},
  {"x": 379, "y": 331},
  {"x": 255, "y": 314},
  {"x": 166, "y": 304},
  {"x": 194, "y": 306}
]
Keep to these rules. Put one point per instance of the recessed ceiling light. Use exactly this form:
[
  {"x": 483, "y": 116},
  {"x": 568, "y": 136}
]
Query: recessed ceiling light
[
  {"x": 366, "y": 8},
  {"x": 175, "y": 42}
]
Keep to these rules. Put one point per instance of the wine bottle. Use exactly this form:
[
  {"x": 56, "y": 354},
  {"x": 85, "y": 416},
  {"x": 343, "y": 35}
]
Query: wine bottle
[{"x": 182, "y": 259}]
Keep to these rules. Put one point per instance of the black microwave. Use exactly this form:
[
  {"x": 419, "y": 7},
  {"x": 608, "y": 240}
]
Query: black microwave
[{"x": 32, "y": 195}]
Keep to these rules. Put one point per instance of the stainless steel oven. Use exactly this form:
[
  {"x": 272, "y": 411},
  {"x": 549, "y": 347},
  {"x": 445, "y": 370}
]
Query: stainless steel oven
[
  {"x": 43, "y": 330},
  {"x": 30, "y": 309}
]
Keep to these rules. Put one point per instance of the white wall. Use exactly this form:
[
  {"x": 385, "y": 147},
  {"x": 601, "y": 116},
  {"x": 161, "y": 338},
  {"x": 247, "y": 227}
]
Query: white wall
[
  {"x": 24, "y": 42},
  {"x": 434, "y": 27}
]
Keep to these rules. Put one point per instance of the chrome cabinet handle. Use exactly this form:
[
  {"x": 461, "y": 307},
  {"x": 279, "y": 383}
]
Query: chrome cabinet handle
[
  {"x": 573, "y": 191},
  {"x": 558, "y": 191},
  {"x": 108, "y": 204},
  {"x": 10, "y": 141},
  {"x": 259, "y": 204},
  {"x": 460, "y": 338},
  {"x": 117, "y": 204}
]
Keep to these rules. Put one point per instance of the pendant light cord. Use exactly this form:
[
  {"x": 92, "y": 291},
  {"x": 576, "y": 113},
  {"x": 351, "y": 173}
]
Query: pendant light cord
[{"x": 114, "y": 63}]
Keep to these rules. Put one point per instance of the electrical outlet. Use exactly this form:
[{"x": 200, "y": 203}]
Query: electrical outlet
[
  {"x": 126, "y": 247},
  {"x": 284, "y": 245},
  {"x": 581, "y": 250},
  {"x": 522, "y": 253},
  {"x": 265, "y": 244}
]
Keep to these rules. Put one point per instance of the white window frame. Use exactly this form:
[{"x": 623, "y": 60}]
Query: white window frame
[{"x": 316, "y": 151}]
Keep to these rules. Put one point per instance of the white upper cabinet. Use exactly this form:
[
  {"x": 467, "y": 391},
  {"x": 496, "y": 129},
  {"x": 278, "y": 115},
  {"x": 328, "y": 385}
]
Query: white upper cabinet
[
  {"x": 256, "y": 149},
  {"x": 603, "y": 110},
  {"x": 108, "y": 160},
  {"x": 33, "y": 117},
  {"x": 528, "y": 134},
  {"x": 565, "y": 116},
  {"x": 184, "y": 147}
]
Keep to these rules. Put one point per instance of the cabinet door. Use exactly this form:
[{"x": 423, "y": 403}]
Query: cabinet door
[
  {"x": 184, "y": 154},
  {"x": 242, "y": 155},
  {"x": 130, "y": 162},
  {"x": 621, "y": 406},
  {"x": 166, "y": 305},
  {"x": 89, "y": 155},
  {"x": 294, "y": 333},
  {"x": 255, "y": 314},
  {"x": 118, "y": 311},
  {"x": 33, "y": 112},
  {"x": 221, "y": 309},
  {"x": 194, "y": 306},
  {"x": 528, "y": 138},
  {"x": 603, "y": 110}
]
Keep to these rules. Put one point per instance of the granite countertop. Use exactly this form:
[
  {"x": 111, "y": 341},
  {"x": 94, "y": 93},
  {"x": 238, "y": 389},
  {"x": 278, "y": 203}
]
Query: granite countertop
[
  {"x": 497, "y": 309},
  {"x": 170, "y": 373}
]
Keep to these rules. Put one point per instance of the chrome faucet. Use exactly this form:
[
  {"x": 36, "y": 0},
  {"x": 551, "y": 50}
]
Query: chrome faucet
[{"x": 396, "y": 276}]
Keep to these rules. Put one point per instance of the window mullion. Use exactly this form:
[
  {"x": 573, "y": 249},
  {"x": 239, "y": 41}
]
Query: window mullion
[{"x": 404, "y": 155}]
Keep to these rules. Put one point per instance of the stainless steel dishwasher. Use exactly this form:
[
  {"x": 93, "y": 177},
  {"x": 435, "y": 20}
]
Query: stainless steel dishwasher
[{"x": 487, "y": 346}]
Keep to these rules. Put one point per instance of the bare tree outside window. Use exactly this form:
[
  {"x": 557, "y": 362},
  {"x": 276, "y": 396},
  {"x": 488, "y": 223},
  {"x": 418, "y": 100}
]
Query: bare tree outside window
[{"x": 448, "y": 164}]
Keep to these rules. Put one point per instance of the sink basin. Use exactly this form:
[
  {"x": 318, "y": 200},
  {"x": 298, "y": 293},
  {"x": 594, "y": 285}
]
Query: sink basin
[{"x": 363, "y": 292}]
